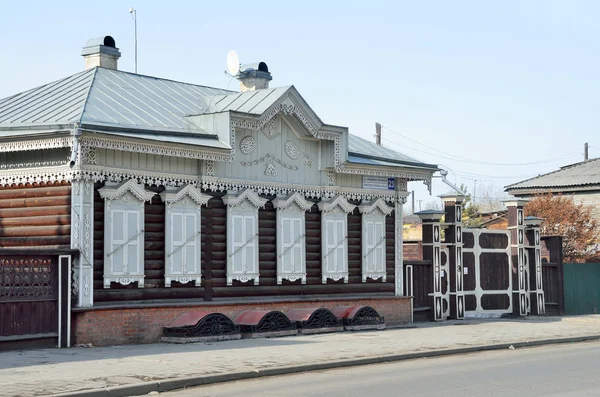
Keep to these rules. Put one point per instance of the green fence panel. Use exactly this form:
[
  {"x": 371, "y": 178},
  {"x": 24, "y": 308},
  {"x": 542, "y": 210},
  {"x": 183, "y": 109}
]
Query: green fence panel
[{"x": 582, "y": 288}]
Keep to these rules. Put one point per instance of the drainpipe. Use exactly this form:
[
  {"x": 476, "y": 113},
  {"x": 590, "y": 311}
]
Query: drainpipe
[
  {"x": 76, "y": 134},
  {"x": 444, "y": 173}
]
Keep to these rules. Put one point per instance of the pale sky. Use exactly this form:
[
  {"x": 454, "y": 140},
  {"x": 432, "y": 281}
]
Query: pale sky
[{"x": 481, "y": 88}]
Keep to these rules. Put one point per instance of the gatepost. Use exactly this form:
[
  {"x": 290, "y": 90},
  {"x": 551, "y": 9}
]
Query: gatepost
[
  {"x": 516, "y": 226},
  {"x": 534, "y": 248},
  {"x": 432, "y": 249},
  {"x": 453, "y": 240}
]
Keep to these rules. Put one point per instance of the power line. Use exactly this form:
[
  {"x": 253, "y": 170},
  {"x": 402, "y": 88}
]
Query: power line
[{"x": 458, "y": 158}]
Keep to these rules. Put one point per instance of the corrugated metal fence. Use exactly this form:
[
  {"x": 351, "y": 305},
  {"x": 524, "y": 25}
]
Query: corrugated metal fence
[{"x": 582, "y": 288}]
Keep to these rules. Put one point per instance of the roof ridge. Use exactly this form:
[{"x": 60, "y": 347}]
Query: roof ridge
[
  {"x": 561, "y": 169},
  {"x": 171, "y": 80},
  {"x": 87, "y": 95}
]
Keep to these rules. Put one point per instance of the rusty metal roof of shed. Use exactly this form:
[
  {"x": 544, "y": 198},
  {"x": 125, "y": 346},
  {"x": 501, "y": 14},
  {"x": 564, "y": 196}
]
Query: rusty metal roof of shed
[{"x": 578, "y": 175}]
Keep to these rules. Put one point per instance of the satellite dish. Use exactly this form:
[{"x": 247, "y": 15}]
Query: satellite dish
[{"x": 233, "y": 63}]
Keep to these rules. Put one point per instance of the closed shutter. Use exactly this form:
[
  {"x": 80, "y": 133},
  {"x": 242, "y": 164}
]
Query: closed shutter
[
  {"x": 125, "y": 256},
  {"x": 330, "y": 254},
  {"x": 250, "y": 249},
  {"x": 287, "y": 236},
  {"x": 119, "y": 231},
  {"x": 237, "y": 244},
  {"x": 298, "y": 249},
  {"x": 133, "y": 246},
  {"x": 340, "y": 254},
  {"x": 370, "y": 246},
  {"x": 185, "y": 241},
  {"x": 379, "y": 252}
]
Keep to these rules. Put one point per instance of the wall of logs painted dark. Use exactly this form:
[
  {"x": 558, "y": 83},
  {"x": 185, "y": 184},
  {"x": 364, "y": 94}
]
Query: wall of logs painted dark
[
  {"x": 35, "y": 215},
  {"x": 214, "y": 258}
]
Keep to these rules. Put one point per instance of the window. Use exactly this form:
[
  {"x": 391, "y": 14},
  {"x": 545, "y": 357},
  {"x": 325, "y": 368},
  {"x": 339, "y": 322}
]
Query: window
[
  {"x": 124, "y": 233},
  {"x": 242, "y": 235},
  {"x": 334, "y": 238},
  {"x": 182, "y": 235},
  {"x": 291, "y": 241},
  {"x": 373, "y": 239}
]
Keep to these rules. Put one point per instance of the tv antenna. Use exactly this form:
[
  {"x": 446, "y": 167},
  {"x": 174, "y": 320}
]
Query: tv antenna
[
  {"x": 233, "y": 64},
  {"x": 133, "y": 13}
]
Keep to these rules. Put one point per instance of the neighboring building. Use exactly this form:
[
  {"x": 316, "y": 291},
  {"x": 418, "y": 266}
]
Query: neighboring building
[
  {"x": 179, "y": 196},
  {"x": 579, "y": 180}
]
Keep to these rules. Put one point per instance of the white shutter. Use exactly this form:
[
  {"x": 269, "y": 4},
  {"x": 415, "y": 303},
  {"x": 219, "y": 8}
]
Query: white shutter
[
  {"x": 370, "y": 255},
  {"x": 297, "y": 251},
  {"x": 330, "y": 254},
  {"x": 250, "y": 248},
  {"x": 119, "y": 231},
  {"x": 379, "y": 254},
  {"x": 238, "y": 232},
  {"x": 287, "y": 236},
  {"x": 135, "y": 240},
  {"x": 191, "y": 258},
  {"x": 174, "y": 255}
]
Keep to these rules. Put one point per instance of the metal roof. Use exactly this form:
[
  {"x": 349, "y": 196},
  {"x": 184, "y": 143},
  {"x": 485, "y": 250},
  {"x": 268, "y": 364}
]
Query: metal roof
[
  {"x": 364, "y": 152},
  {"x": 579, "y": 175},
  {"x": 251, "y": 102},
  {"x": 109, "y": 98}
]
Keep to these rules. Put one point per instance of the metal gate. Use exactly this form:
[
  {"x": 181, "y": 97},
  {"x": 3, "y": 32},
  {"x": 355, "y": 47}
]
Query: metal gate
[
  {"x": 487, "y": 276},
  {"x": 35, "y": 299}
]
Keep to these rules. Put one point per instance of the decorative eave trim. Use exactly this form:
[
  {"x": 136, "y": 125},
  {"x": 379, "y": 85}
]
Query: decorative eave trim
[
  {"x": 198, "y": 197},
  {"x": 390, "y": 173},
  {"x": 232, "y": 199},
  {"x": 132, "y": 146},
  {"x": 36, "y": 144},
  {"x": 36, "y": 175},
  {"x": 273, "y": 188},
  {"x": 116, "y": 192},
  {"x": 339, "y": 201},
  {"x": 379, "y": 204},
  {"x": 297, "y": 198}
]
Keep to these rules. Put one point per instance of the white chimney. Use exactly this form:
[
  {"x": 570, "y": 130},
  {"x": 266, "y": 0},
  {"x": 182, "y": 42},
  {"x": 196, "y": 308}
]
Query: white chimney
[
  {"x": 102, "y": 52},
  {"x": 254, "y": 76}
]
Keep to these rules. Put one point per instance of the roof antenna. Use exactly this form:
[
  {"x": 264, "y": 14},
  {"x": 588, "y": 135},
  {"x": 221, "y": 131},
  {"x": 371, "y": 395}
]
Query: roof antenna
[
  {"x": 585, "y": 151},
  {"x": 133, "y": 13}
]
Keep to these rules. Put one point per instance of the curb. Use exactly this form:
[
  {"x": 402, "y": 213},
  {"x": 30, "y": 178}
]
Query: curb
[{"x": 139, "y": 389}]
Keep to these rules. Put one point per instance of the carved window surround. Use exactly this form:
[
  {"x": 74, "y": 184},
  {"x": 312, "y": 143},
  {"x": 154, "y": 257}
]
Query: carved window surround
[
  {"x": 291, "y": 237},
  {"x": 182, "y": 234},
  {"x": 373, "y": 239},
  {"x": 242, "y": 235},
  {"x": 124, "y": 232},
  {"x": 334, "y": 238}
]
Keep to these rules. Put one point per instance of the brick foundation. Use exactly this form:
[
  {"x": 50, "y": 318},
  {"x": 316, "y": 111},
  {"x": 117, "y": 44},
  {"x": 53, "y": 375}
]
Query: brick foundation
[{"x": 143, "y": 324}]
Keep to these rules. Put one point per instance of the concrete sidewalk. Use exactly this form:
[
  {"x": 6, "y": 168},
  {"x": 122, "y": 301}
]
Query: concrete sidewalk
[{"x": 115, "y": 370}]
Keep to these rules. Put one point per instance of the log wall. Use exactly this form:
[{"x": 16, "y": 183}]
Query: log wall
[
  {"x": 35, "y": 215},
  {"x": 214, "y": 258}
]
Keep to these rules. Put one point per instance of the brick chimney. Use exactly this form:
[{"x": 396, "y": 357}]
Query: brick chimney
[
  {"x": 101, "y": 51},
  {"x": 254, "y": 76}
]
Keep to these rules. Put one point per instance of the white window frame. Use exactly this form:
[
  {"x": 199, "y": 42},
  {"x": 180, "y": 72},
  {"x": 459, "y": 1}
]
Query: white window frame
[
  {"x": 291, "y": 257},
  {"x": 128, "y": 197},
  {"x": 373, "y": 256},
  {"x": 242, "y": 207},
  {"x": 334, "y": 212},
  {"x": 185, "y": 202}
]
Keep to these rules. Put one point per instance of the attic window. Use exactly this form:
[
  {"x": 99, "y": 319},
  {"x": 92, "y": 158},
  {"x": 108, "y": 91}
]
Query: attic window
[{"x": 109, "y": 42}]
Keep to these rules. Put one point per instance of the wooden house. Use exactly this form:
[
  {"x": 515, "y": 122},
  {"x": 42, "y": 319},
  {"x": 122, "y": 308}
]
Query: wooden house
[{"x": 176, "y": 196}]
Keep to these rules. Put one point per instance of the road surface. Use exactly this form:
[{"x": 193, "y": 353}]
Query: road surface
[{"x": 549, "y": 371}]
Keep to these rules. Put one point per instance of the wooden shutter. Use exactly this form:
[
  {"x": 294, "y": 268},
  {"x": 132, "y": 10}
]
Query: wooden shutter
[
  {"x": 119, "y": 233},
  {"x": 250, "y": 249},
  {"x": 238, "y": 232}
]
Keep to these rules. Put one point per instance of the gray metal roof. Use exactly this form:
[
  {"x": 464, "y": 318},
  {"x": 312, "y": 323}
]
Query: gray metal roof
[
  {"x": 364, "y": 152},
  {"x": 579, "y": 175},
  {"x": 251, "y": 102},
  {"x": 109, "y": 98}
]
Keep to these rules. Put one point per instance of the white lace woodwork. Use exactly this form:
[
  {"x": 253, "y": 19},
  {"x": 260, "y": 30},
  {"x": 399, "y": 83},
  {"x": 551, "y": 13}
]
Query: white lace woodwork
[
  {"x": 182, "y": 234},
  {"x": 82, "y": 239},
  {"x": 399, "y": 247},
  {"x": 334, "y": 238},
  {"x": 36, "y": 144},
  {"x": 124, "y": 233},
  {"x": 291, "y": 237},
  {"x": 242, "y": 235},
  {"x": 373, "y": 239}
]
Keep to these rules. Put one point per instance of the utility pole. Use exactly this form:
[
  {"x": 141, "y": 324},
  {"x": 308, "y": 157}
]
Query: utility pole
[
  {"x": 585, "y": 151},
  {"x": 133, "y": 13},
  {"x": 378, "y": 134},
  {"x": 413, "y": 201}
]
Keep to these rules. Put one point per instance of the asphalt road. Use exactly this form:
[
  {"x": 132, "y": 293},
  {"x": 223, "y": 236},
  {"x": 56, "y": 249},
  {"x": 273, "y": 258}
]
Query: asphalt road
[{"x": 549, "y": 371}]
